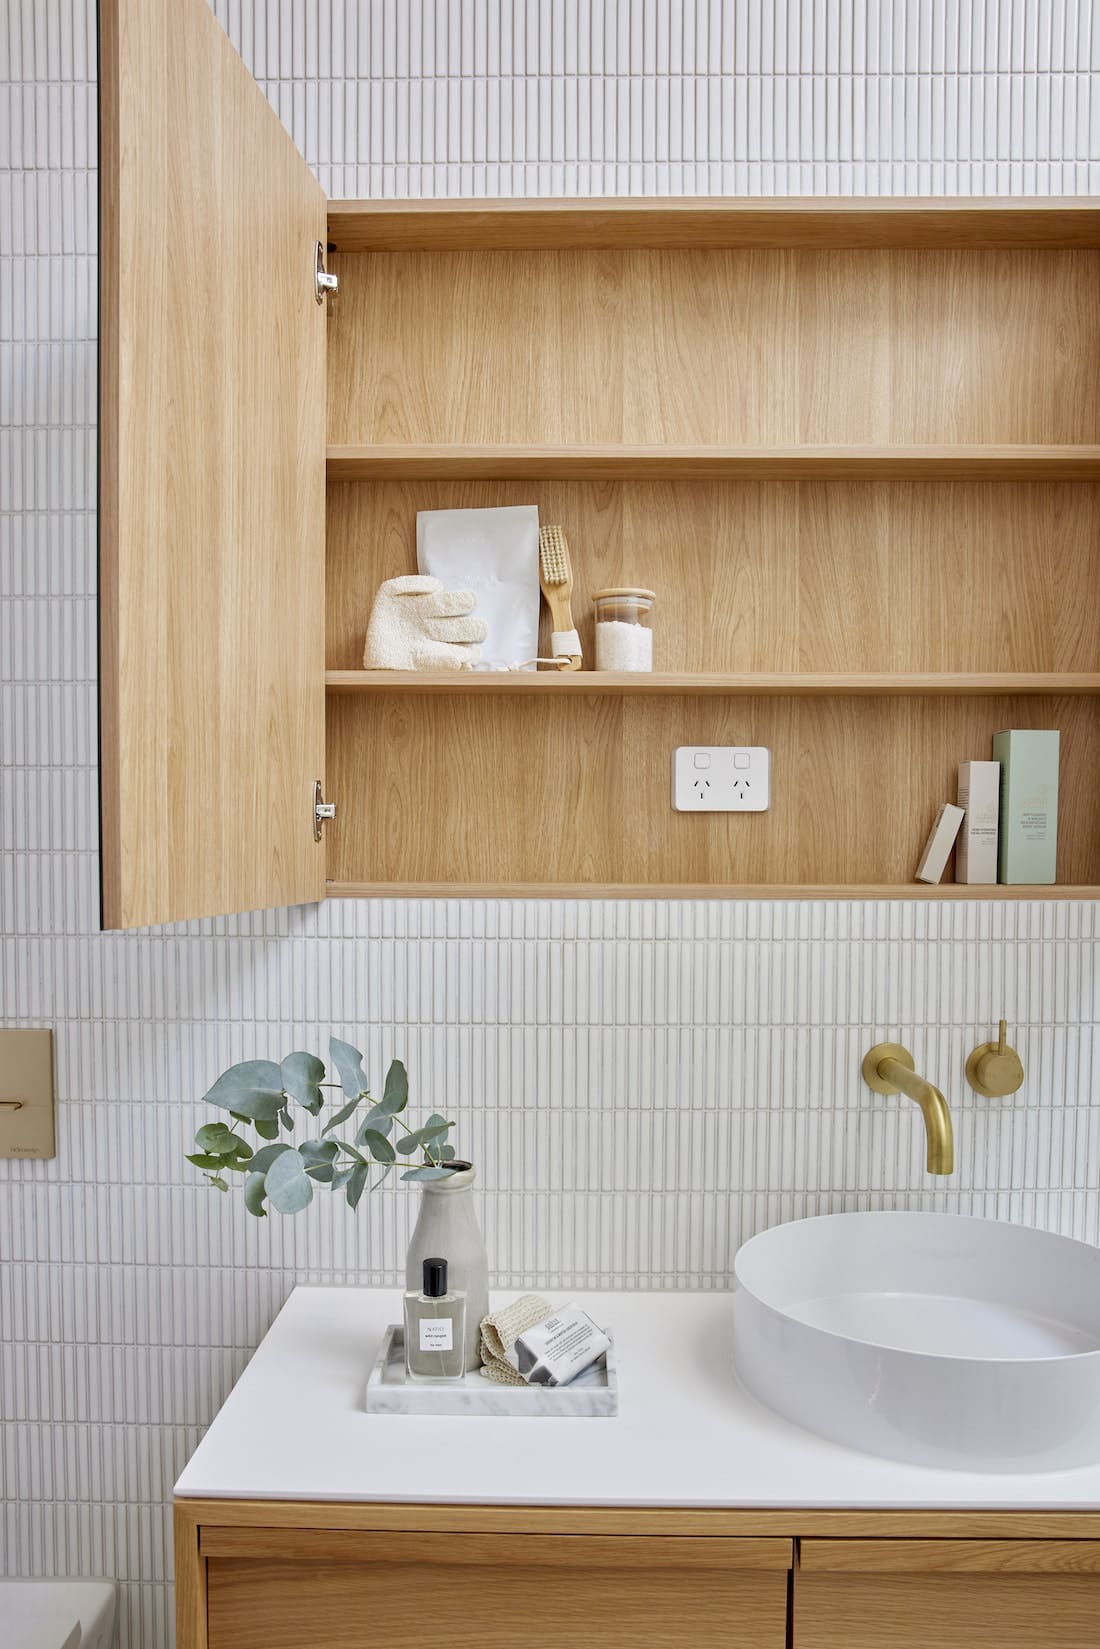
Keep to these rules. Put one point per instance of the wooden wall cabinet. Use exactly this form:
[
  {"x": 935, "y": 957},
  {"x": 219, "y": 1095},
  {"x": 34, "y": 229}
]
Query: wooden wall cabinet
[
  {"x": 852, "y": 445},
  {"x": 285, "y": 1575}
]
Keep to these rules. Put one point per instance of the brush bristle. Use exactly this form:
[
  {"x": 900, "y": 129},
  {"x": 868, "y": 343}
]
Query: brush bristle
[{"x": 554, "y": 556}]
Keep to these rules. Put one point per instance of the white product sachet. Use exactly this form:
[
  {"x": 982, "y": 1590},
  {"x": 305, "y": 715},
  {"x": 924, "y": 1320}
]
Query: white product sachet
[
  {"x": 495, "y": 553},
  {"x": 559, "y": 1348}
]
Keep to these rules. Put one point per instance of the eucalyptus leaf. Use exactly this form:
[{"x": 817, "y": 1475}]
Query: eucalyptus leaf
[
  {"x": 250, "y": 1091},
  {"x": 206, "y": 1159},
  {"x": 435, "y": 1129},
  {"x": 422, "y": 1175},
  {"x": 302, "y": 1076},
  {"x": 286, "y": 1120},
  {"x": 356, "y": 1184},
  {"x": 241, "y": 1150},
  {"x": 408, "y": 1144},
  {"x": 349, "y": 1067},
  {"x": 378, "y": 1119},
  {"x": 218, "y": 1183},
  {"x": 289, "y": 1188},
  {"x": 254, "y": 1194},
  {"x": 377, "y": 1144},
  {"x": 267, "y": 1128},
  {"x": 266, "y": 1155},
  {"x": 217, "y": 1138},
  {"x": 395, "y": 1094},
  {"x": 342, "y": 1176},
  {"x": 350, "y": 1151},
  {"x": 318, "y": 1153},
  {"x": 342, "y": 1114},
  {"x": 447, "y": 1152}
]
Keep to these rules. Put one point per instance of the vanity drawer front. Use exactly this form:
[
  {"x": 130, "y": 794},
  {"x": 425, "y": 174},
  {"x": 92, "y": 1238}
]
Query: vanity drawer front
[
  {"x": 341, "y": 1589},
  {"x": 969, "y": 1594}
]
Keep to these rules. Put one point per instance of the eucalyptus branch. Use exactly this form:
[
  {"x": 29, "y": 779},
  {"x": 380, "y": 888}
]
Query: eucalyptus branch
[{"x": 263, "y": 1092}]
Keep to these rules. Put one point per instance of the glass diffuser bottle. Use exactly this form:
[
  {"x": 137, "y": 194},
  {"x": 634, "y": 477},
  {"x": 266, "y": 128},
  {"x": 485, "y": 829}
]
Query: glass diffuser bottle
[{"x": 435, "y": 1327}]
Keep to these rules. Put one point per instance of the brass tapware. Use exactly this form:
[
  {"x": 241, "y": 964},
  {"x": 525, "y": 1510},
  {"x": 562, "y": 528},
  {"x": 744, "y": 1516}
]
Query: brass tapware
[
  {"x": 889, "y": 1069},
  {"x": 995, "y": 1070}
]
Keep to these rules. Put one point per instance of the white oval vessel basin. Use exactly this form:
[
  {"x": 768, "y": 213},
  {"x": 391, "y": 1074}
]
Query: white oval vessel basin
[{"x": 931, "y": 1338}]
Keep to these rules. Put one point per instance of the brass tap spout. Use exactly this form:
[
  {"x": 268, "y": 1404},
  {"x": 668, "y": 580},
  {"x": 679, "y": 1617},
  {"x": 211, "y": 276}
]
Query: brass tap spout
[{"x": 889, "y": 1069}]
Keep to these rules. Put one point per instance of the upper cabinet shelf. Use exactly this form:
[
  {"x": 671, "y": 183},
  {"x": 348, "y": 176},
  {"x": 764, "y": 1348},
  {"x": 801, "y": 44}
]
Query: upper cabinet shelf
[
  {"x": 701, "y": 684},
  {"x": 700, "y": 223},
  {"x": 653, "y": 463}
]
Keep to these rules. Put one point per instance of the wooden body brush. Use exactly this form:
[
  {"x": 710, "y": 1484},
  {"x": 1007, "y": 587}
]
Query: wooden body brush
[{"x": 556, "y": 576}]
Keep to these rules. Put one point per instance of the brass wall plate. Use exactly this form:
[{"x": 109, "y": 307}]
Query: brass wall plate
[
  {"x": 995, "y": 1070},
  {"x": 873, "y": 1059},
  {"x": 26, "y": 1094}
]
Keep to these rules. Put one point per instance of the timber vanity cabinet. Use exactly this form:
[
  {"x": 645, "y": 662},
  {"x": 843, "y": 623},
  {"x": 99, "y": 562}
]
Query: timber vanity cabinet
[
  {"x": 267, "y": 1575},
  {"x": 851, "y": 445}
]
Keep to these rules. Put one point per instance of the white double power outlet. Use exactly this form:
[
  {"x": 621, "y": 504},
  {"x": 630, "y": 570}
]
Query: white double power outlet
[{"x": 721, "y": 778}]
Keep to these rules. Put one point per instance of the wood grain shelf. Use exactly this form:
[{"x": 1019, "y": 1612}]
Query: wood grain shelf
[
  {"x": 700, "y": 890},
  {"x": 443, "y": 462},
  {"x": 702, "y": 223},
  {"x": 481, "y": 684}
]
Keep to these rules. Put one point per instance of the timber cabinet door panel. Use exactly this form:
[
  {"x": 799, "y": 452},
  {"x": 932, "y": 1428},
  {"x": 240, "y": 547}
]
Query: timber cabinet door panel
[
  {"x": 497, "y": 1592},
  {"x": 968, "y": 1594},
  {"x": 212, "y": 479}
]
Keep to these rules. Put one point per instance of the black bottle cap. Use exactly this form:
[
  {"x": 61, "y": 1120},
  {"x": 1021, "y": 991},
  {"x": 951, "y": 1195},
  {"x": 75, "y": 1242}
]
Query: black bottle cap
[{"x": 435, "y": 1279}]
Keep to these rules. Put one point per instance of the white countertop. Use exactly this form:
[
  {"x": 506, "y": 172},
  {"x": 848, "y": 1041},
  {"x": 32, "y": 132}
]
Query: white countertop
[{"x": 294, "y": 1428}]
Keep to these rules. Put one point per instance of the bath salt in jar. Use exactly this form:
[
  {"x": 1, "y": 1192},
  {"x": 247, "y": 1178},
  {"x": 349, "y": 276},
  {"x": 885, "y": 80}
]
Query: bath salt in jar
[{"x": 624, "y": 629}]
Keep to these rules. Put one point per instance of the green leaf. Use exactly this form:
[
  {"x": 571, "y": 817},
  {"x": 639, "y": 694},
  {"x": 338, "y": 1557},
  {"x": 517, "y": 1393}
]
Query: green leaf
[
  {"x": 378, "y": 1119},
  {"x": 319, "y": 1156},
  {"x": 267, "y": 1129},
  {"x": 350, "y": 1151},
  {"x": 408, "y": 1144},
  {"x": 302, "y": 1077},
  {"x": 241, "y": 1150},
  {"x": 395, "y": 1095},
  {"x": 250, "y": 1091},
  {"x": 447, "y": 1152},
  {"x": 435, "y": 1128},
  {"x": 289, "y": 1188},
  {"x": 266, "y": 1155},
  {"x": 217, "y": 1182},
  {"x": 286, "y": 1120},
  {"x": 314, "y": 1151},
  {"x": 377, "y": 1144},
  {"x": 349, "y": 1067},
  {"x": 424, "y": 1174},
  {"x": 205, "y": 1159},
  {"x": 356, "y": 1184},
  {"x": 342, "y": 1176},
  {"x": 217, "y": 1138},
  {"x": 254, "y": 1194},
  {"x": 342, "y": 1114}
]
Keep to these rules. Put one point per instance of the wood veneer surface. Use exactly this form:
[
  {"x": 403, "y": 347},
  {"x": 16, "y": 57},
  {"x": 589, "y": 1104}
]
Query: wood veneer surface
[
  {"x": 716, "y": 347},
  {"x": 212, "y": 474}
]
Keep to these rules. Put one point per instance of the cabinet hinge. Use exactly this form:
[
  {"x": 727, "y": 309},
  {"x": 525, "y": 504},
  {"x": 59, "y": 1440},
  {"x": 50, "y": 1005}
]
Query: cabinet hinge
[
  {"x": 326, "y": 285},
  {"x": 322, "y": 810}
]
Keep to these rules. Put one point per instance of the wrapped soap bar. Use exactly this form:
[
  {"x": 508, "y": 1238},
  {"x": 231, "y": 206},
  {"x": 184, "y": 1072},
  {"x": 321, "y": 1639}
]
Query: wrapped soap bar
[{"x": 559, "y": 1348}]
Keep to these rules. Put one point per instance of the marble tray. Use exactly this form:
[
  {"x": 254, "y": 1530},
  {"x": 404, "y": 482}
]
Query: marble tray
[{"x": 593, "y": 1393}]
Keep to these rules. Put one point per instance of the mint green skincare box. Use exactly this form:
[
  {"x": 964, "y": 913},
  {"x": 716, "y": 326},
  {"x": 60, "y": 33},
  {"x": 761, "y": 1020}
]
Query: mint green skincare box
[{"x": 1027, "y": 849}]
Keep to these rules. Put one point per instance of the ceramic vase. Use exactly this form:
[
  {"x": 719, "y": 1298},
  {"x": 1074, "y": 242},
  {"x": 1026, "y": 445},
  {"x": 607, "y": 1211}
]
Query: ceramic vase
[{"x": 447, "y": 1227}]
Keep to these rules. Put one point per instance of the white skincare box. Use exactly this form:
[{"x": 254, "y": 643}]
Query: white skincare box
[
  {"x": 980, "y": 799},
  {"x": 1029, "y": 805},
  {"x": 559, "y": 1348},
  {"x": 941, "y": 839}
]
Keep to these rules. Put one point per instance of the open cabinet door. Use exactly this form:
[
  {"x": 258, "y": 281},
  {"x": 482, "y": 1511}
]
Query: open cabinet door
[{"x": 212, "y": 479}]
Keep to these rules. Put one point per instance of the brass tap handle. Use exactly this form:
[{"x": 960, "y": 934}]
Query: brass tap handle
[{"x": 995, "y": 1070}]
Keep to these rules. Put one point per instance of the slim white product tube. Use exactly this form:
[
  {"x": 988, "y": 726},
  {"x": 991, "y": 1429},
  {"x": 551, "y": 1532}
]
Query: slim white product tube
[
  {"x": 559, "y": 1348},
  {"x": 980, "y": 798},
  {"x": 941, "y": 839}
]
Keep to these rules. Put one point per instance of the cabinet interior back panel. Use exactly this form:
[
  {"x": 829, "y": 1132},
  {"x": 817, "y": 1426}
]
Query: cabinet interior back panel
[
  {"x": 757, "y": 347},
  {"x": 782, "y": 576},
  {"x": 521, "y": 790}
]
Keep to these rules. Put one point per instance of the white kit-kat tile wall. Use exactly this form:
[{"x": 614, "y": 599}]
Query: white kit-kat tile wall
[{"x": 642, "y": 1085}]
